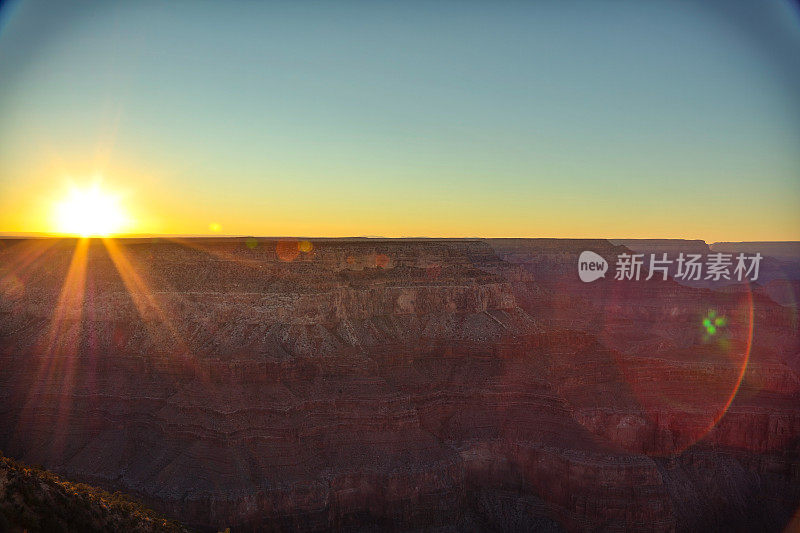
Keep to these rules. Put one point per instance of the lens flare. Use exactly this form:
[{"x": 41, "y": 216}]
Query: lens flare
[
  {"x": 287, "y": 250},
  {"x": 713, "y": 324}
]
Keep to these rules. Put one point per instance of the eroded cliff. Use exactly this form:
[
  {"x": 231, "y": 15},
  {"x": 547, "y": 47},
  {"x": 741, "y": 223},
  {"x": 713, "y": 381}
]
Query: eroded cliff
[{"x": 459, "y": 384}]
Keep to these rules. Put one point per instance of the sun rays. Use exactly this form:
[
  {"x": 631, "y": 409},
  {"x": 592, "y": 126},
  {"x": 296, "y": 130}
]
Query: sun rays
[
  {"x": 55, "y": 374},
  {"x": 159, "y": 325},
  {"x": 62, "y": 352}
]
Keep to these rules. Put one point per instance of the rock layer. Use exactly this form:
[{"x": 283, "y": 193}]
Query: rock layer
[{"x": 453, "y": 384}]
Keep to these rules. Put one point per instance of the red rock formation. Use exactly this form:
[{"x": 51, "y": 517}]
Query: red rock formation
[{"x": 412, "y": 383}]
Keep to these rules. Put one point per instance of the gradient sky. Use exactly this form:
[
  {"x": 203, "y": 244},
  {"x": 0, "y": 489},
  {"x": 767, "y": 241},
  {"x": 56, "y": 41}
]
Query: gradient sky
[{"x": 528, "y": 119}]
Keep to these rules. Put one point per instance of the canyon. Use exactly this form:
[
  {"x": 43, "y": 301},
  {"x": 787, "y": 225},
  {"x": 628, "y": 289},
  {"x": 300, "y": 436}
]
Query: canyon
[{"x": 365, "y": 384}]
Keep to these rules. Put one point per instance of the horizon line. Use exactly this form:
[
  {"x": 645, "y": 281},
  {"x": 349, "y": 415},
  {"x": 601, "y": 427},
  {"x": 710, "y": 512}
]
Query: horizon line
[{"x": 53, "y": 235}]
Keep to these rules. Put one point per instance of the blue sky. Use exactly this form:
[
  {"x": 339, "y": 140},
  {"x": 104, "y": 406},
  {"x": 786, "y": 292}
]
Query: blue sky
[{"x": 566, "y": 119}]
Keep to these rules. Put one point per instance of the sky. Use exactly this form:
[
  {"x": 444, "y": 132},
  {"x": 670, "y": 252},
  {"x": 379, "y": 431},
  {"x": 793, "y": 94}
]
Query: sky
[{"x": 607, "y": 119}]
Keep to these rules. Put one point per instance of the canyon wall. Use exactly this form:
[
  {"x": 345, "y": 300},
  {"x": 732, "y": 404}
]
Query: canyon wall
[{"x": 361, "y": 383}]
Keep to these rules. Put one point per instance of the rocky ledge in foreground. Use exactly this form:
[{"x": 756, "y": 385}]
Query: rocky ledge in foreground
[{"x": 32, "y": 499}]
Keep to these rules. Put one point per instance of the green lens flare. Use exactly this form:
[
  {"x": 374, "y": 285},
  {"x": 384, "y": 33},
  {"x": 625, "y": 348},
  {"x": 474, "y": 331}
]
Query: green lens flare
[{"x": 712, "y": 323}]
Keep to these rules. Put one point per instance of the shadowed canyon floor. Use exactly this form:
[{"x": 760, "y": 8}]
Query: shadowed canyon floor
[{"x": 365, "y": 383}]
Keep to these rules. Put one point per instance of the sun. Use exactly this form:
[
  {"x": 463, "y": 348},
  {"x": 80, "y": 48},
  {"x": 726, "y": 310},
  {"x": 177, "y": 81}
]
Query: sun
[{"x": 90, "y": 212}]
